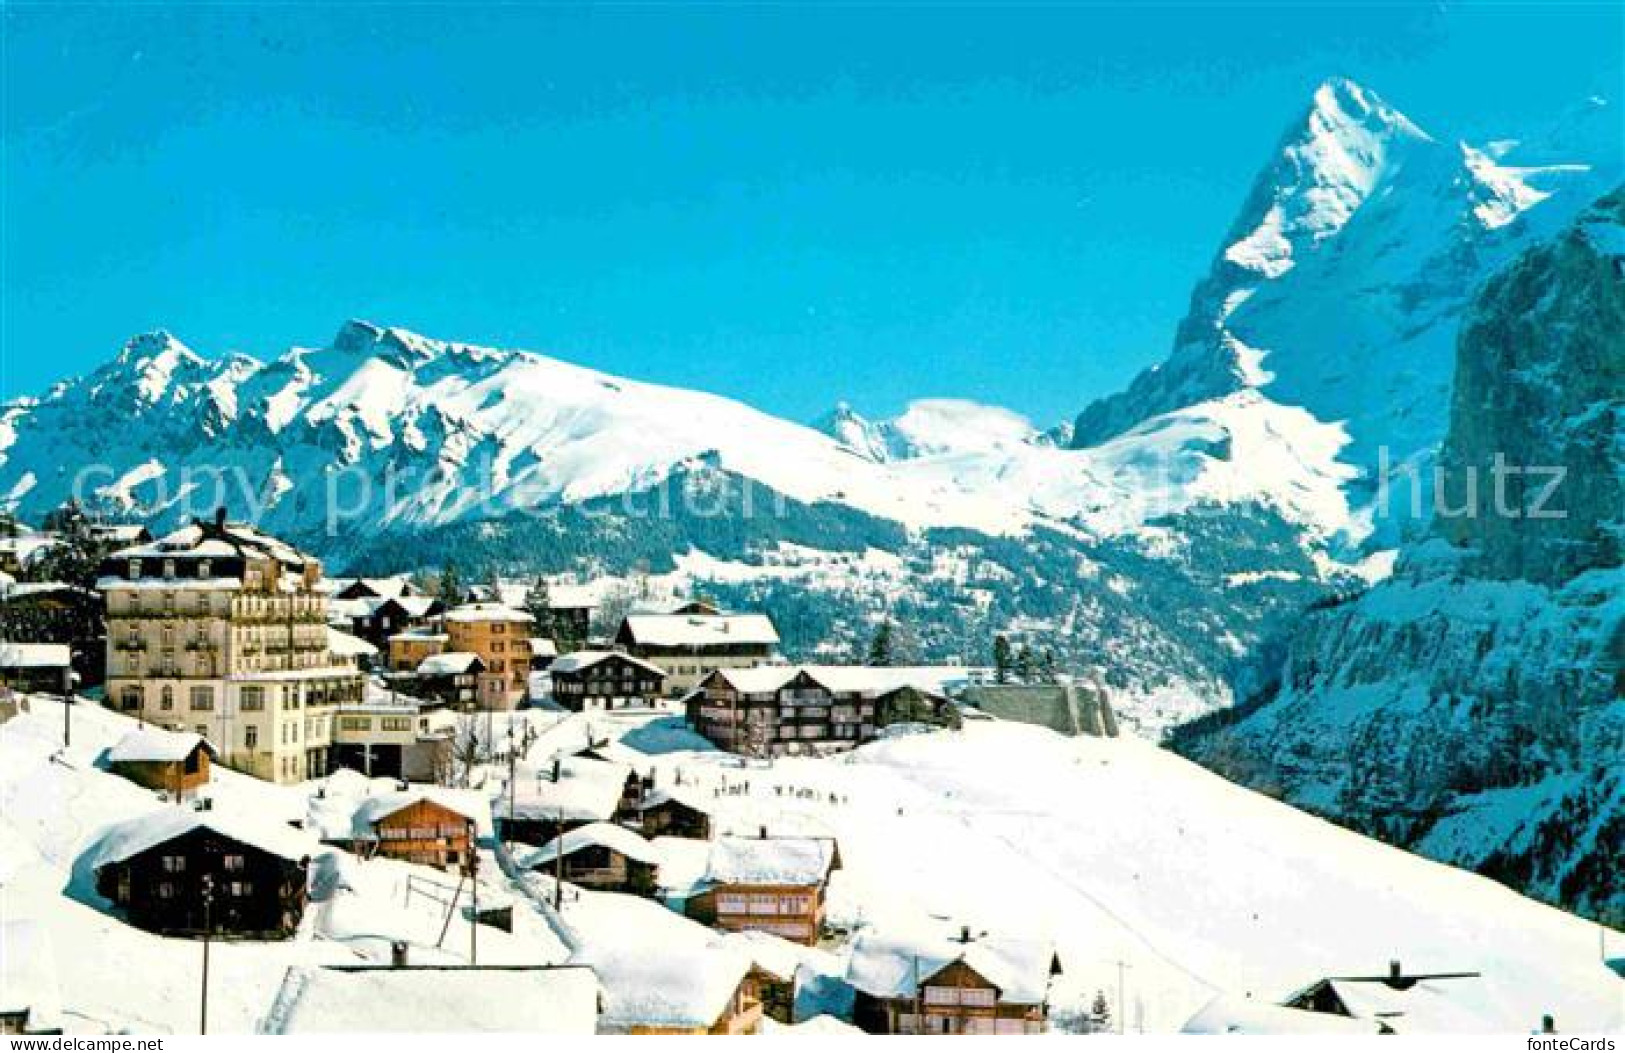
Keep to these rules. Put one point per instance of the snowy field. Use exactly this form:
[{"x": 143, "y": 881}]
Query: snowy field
[{"x": 1144, "y": 869}]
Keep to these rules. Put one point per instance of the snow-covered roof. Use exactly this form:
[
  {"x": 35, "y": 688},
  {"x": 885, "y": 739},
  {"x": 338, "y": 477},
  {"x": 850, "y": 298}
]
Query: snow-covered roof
[
  {"x": 1464, "y": 1005},
  {"x": 892, "y": 964},
  {"x": 432, "y": 999},
  {"x": 129, "y": 838},
  {"x": 34, "y": 656},
  {"x": 1232, "y": 1015},
  {"x": 578, "y": 660},
  {"x": 229, "y": 539},
  {"x": 758, "y": 680},
  {"x": 344, "y": 645},
  {"x": 468, "y": 804},
  {"x": 487, "y": 612},
  {"x": 587, "y": 790},
  {"x": 607, "y": 835},
  {"x": 22, "y": 590},
  {"x": 351, "y": 804},
  {"x": 448, "y": 663},
  {"x": 700, "y": 630},
  {"x": 779, "y": 956},
  {"x": 678, "y": 987},
  {"x": 154, "y": 744},
  {"x": 28, "y": 977},
  {"x": 770, "y": 861},
  {"x": 863, "y": 680},
  {"x": 424, "y": 634},
  {"x": 380, "y": 587},
  {"x": 542, "y": 647}
]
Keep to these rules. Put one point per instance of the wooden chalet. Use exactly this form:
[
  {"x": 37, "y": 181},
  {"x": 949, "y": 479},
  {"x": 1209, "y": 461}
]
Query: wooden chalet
[
  {"x": 55, "y": 612},
  {"x": 174, "y": 762},
  {"x": 599, "y": 856},
  {"x": 376, "y": 619},
  {"x": 682, "y": 990},
  {"x": 767, "y": 884},
  {"x": 1397, "y": 1002},
  {"x": 594, "y": 680},
  {"x": 41, "y": 668},
  {"x": 428, "y": 825},
  {"x": 418, "y": 828},
  {"x": 770, "y": 711},
  {"x": 373, "y": 588},
  {"x": 928, "y": 984},
  {"x": 666, "y": 812},
  {"x": 452, "y": 677},
  {"x": 187, "y": 871}
]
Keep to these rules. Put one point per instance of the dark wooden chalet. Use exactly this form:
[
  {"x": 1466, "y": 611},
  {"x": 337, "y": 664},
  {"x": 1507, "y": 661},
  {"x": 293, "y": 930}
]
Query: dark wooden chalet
[
  {"x": 599, "y": 856},
  {"x": 590, "y": 680},
  {"x": 187, "y": 871}
]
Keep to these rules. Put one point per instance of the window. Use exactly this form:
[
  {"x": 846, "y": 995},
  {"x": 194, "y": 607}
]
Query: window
[
  {"x": 252, "y": 698},
  {"x": 203, "y": 569},
  {"x": 251, "y": 736},
  {"x": 233, "y": 864},
  {"x": 130, "y": 697},
  {"x": 239, "y": 889},
  {"x": 174, "y": 864},
  {"x": 166, "y": 697},
  {"x": 169, "y": 568},
  {"x": 166, "y": 890},
  {"x": 135, "y": 568},
  {"x": 202, "y": 696}
]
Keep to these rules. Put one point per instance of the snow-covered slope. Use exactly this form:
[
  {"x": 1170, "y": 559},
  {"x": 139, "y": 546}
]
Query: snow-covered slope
[
  {"x": 1176, "y": 881},
  {"x": 1474, "y": 704},
  {"x": 1340, "y": 287}
]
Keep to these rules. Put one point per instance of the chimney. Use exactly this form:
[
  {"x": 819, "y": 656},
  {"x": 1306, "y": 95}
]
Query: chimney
[
  {"x": 558, "y": 768},
  {"x": 964, "y": 934},
  {"x": 1548, "y": 1025},
  {"x": 761, "y": 833},
  {"x": 1395, "y": 973},
  {"x": 397, "y": 954},
  {"x": 220, "y": 517}
]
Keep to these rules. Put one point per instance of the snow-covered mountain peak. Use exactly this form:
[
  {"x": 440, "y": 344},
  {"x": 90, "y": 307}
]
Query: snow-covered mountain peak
[
  {"x": 936, "y": 427},
  {"x": 1328, "y": 164}
]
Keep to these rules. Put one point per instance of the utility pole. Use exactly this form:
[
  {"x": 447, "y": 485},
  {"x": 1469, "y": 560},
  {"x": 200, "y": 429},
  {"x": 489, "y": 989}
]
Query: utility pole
[
  {"x": 474, "y": 897},
  {"x": 558, "y": 866},
  {"x": 208, "y": 926},
  {"x": 67, "y": 703},
  {"x": 513, "y": 773},
  {"x": 1122, "y": 1024}
]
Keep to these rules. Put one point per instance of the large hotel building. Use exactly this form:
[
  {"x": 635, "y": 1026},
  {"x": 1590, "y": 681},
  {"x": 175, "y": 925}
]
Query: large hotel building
[{"x": 220, "y": 629}]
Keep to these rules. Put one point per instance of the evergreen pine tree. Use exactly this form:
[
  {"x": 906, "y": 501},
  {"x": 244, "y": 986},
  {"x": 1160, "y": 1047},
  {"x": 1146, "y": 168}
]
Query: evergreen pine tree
[
  {"x": 1026, "y": 665},
  {"x": 1001, "y": 659},
  {"x": 451, "y": 584},
  {"x": 539, "y": 605},
  {"x": 880, "y": 648},
  {"x": 1100, "y": 1013}
]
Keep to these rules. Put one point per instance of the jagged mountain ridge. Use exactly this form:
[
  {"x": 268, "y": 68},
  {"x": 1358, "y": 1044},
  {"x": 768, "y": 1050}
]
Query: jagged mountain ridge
[
  {"x": 1341, "y": 284},
  {"x": 1473, "y": 706}
]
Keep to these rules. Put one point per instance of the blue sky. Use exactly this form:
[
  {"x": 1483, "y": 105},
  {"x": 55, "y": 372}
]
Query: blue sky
[{"x": 783, "y": 204}]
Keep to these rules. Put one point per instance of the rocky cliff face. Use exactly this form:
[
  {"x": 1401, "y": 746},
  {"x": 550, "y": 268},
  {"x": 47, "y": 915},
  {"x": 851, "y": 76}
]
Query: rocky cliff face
[{"x": 1473, "y": 706}]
